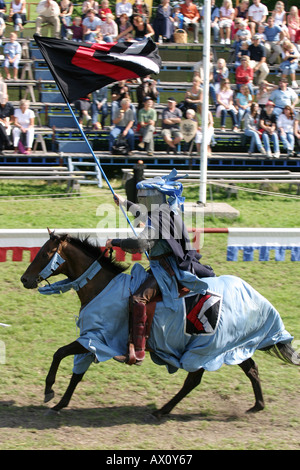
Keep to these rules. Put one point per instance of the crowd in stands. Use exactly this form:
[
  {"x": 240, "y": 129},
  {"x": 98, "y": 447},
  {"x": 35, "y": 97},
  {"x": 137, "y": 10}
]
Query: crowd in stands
[{"x": 258, "y": 39}]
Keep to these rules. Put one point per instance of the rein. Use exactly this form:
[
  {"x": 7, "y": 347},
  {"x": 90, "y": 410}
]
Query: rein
[{"x": 65, "y": 285}]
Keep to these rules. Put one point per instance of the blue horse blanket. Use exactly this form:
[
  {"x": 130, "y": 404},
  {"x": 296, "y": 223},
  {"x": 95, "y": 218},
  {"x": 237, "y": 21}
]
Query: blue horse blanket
[{"x": 224, "y": 321}]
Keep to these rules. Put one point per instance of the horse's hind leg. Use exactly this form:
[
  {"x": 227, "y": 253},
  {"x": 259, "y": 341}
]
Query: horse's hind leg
[
  {"x": 251, "y": 370},
  {"x": 193, "y": 379},
  {"x": 61, "y": 353},
  {"x": 75, "y": 379}
]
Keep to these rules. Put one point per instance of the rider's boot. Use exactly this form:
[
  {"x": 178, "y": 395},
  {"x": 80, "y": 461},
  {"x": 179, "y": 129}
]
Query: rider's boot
[{"x": 137, "y": 341}]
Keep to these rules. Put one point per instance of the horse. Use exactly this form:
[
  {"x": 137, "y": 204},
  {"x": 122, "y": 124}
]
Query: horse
[{"x": 195, "y": 342}]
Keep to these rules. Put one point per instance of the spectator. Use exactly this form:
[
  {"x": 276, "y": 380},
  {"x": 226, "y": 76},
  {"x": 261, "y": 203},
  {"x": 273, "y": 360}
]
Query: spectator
[
  {"x": 267, "y": 125},
  {"x": 243, "y": 102},
  {"x": 243, "y": 32},
  {"x": 84, "y": 105},
  {"x": 77, "y": 29},
  {"x": 242, "y": 49},
  {"x": 12, "y": 54},
  {"x": 140, "y": 8},
  {"x": 293, "y": 23},
  {"x": 23, "y": 130},
  {"x": 244, "y": 74},
  {"x": 226, "y": 106},
  {"x": 17, "y": 14},
  {"x": 146, "y": 89},
  {"x": 214, "y": 18},
  {"x": 257, "y": 15},
  {"x": 99, "y": 105},
  {"x": 279, "y": 15},
  {"x": 91, "y": 26},
  {"x": 177, "y": 17},
  {"x": 193, "y": 96},
  {"x": 251, "y": 129},
  {"x": 141, "y": 29},
  {"x": 226, "y": 21},
  {"x": 264, "y": 91},
  {"x": 241, "y": 10},
  {"x": 273, "y": 35},
  {"x": 283, "y": 96},
  {"x": 209, "y": 130},
  {"x": 90, "y": 5},
  {"x": 66, "y": 11},
  {"x": 258, "y": 58},
  {"x": 163, "y": 23},
  {"x": 147, "y": 118},
  {"x": 48, "y": 12},
  {"x": 171, "y": 118},
  {"x": 285, "y": 126},
  {"x": 123, "y": 7},
  {"x": 123, "y": 24},
  {"x": 123, "y": 121},
  {"x": 2, "y": 28},
  {"x": 104, "y": 10},
  {"x": 220, "y": 72},
  {"x": 289, "y": 65},
  {"x": 6, "y": 120},
  {"x": 109, "y": 28},
  {"x": 3, "y": 10},
  {"x": 191, "y": 17},
  {"x": 297, "y": 131}
]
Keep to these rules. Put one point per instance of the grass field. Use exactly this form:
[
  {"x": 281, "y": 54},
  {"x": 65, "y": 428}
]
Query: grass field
[{"x": 109, "y": 406}]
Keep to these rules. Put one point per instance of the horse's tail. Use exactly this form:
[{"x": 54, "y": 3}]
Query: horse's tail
[{"x": 285, "y": 352}]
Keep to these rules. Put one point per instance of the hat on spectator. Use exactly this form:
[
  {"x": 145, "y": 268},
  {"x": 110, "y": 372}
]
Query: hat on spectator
[
  {"x": 147, "y": 98},
  {"x": 172, "y": 99},
  {"x": 270, "y": 103},
  {"x": 256, "y": 36}
]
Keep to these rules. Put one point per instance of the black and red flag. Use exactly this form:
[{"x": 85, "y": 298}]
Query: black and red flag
[{"x": 80, "y": 68}]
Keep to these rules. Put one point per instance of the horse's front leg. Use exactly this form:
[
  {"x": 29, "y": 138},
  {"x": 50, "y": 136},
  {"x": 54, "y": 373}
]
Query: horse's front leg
[{"x": 61, "y": 353}]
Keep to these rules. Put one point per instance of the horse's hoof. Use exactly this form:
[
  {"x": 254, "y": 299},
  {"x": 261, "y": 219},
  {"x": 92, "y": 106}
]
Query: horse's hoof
[
  {"x": 151, "y": 418},
  {"x": 49, "y": 396},
  {"x": 50, "y": 412},
  {"x": 256, "y": 408}
]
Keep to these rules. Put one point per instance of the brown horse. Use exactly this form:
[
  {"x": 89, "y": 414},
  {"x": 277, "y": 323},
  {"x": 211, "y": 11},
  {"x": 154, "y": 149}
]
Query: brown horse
[{"x": 62, "y": 254}]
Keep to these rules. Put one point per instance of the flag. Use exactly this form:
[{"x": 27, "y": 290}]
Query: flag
[{"x": 80, "y": 68}]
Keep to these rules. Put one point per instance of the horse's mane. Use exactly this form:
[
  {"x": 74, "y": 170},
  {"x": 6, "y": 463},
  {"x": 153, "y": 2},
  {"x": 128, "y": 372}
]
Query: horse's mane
[{"x": 95, "y": 251}]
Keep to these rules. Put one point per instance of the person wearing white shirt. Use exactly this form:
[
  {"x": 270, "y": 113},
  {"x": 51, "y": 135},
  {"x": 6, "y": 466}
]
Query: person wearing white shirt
[
  {"x": 24, "y": 124},
  {"x": 123, "y": 7},
  {"x": 48, "y": 12},
  {"x": 285, "y": 126},
  {"x": 257, "y": 15}
]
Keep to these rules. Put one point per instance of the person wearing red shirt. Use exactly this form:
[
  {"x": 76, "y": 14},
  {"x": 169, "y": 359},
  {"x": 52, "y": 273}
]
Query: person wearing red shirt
[
  {"x": 191, "y": 17},
  {"x": 244, "y": 74}
]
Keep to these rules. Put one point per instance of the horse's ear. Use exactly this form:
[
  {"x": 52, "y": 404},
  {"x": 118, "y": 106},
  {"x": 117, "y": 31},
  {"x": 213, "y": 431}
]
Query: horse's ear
[{"x": 51, "y": 234}]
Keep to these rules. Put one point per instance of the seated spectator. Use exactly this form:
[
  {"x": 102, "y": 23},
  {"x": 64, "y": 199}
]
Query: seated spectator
[
  {"x": 163, "y": 23},
  {"x": 99, "y": 105},
  {"x": 84, "y": 105},
  {"x": 243, "y": 102},
  {"x": 220, "y": 72},
  {"x": 177, "y": 17},
  {"x": 123, "y": 121},
  {"x": 147, "y": 89},
  {"x": 77, "y": 29},
  {"x": 283, "y": 96},
  {"x": 244, "y": 74},
  {"x": 23, "y": 130},
  {"x": 267, "y": 124},
  {"x": 89, "y": 5},
  {"x": 242, "y": 49},
  {"x": 264, "y": 91},
  {"x": 6, "y": 121},
  {"x": 243, "y": 32},
  {"x": 251, "y": 129},
  {"x": 279, "y": 15},
  {"x": 91, "y": 26},
  {"x": 297, "y": 131},
  {"x": 257, "y": 14},
  {"x": 147, "y": 118},
  {"x": 123, "y": 24},
  {"x": 258, "y": 58},
  {"x": 140, "y": 8},
  {"x": 293, "y": 23},
  {"x": 66, "y": 11},
  {"x": 209, "y": 130},
  {"x": 118, "y": 91},
  {"x": 285, "y": 126},
  {"x": 273, "y": 35},
  {"x": 199, "y": 72},
  {"x": 17, "y": 14},
  {"x": 12, "y": 54},
  {"x": 124, "y": 6},
  {"x": 289, "y": 65},
  {"x": 226, "y": 106},
  {"x": 48, "y": 12},
  {"x": 3, "y": 10},
  {"x": 2, "y": 28},
  {"x": 241, "y": 10},
  {"x": 214, "y": 19},
  {"x": 193, "y": 96},
  {"x": 140, "y": 28},
  {"x": 104, "y": 10},
  {"x": 171, "y": 118},
  {"x": 191, "y": 17},
  {"x": 226, "y": 21},
  {"x": 109, "y": 28}
]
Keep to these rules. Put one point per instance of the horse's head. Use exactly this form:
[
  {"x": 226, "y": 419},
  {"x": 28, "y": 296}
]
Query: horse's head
[{"x": 46, "y": 263}]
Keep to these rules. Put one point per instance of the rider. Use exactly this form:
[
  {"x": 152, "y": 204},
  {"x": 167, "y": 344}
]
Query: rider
[{"x": 173, "y": 261}]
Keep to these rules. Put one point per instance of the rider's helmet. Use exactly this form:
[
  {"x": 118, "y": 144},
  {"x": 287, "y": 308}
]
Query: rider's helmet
[{"x": 150, "y": 198}]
